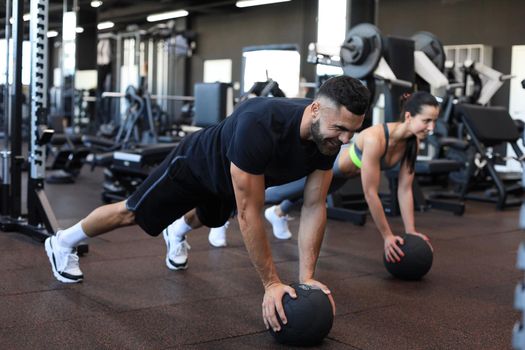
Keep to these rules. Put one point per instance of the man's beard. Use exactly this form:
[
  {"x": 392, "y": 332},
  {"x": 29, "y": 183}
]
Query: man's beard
[{"x": 328, "y": 147}]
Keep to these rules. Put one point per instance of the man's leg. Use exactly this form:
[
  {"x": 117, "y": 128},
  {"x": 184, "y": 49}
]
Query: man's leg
[
  {"x": 176, "y": 243},
  {"x": 217, "y": 235},
  {"x": 61, "y": 248}
]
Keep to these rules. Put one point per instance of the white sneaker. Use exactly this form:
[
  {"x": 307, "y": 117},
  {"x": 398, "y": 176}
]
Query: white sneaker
[
  {"x": 64, "y": 262},
  {"x": 279, "y": 223},
  {"x": 217, "y": 235},
  {"x": 177, "y": 255}
]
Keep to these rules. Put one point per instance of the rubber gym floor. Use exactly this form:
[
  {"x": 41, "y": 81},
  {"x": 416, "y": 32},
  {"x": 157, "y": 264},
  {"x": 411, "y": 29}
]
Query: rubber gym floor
[{"x": 130, "y": 300}]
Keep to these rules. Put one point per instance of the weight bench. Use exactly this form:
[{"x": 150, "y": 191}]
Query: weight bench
[
  {"x": 129, "y": 168},
  {"x": 489, "y": 127},
  {"x": 70, "y": 156}
]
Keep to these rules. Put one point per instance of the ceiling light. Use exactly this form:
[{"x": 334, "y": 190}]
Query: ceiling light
[
  {"x": 79, "y": 30},
  {"x": 248, "y": 3},
  {"x": 166, "y": 15},
  {"x": 96, "y": 3},
  {"x": 52, "y": 33},
  {"x": 105, "y": 25}
]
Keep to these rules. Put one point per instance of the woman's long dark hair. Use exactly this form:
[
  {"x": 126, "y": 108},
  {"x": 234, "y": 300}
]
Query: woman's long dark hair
[{"x": 413, "y": 104}]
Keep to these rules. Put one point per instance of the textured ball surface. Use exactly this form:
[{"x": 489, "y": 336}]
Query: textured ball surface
[{"x": 310, "y": 317}]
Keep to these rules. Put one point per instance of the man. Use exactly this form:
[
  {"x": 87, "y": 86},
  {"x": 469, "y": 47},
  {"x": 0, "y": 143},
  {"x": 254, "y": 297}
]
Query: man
[{"x": 265, "y": 142}]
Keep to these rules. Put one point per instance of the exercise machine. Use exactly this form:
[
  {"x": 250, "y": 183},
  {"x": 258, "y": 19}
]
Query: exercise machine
[
  {"x": 40, "y": 221},
  {"x": 487, "y": 127}
]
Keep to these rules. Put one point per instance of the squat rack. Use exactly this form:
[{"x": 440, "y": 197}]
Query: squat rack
[{"x": 40, "y": 221}]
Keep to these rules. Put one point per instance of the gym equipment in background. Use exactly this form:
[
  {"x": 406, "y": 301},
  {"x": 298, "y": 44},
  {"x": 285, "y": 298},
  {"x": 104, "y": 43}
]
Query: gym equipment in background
[
  {"x": 487, "y": 127},
  {"x": 40, "y": 221},
  {"x": 518, "y": 332},
  {"x": 127, "y": 168},
  {"x": 361, "y": 51}
]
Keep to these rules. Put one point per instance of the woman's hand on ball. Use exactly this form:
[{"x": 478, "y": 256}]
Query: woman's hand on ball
[
  {"x": 393, "y": 252},
  {"x": 424, "y": 237}
]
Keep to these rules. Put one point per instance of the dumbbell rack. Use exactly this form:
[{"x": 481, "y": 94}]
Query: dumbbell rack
[{"x": 518, "y": 333}]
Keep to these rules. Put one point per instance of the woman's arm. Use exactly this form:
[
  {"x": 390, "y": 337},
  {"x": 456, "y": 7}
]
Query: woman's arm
[
  {"x": 406, "y": 198},
  {"x": 370, "y": 178}
]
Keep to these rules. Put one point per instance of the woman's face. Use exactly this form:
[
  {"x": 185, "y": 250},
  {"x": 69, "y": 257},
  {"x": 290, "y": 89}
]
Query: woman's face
[{"x": 424, "y": 122}]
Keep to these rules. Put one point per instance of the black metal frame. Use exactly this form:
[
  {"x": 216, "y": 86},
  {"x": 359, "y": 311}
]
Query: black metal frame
[{"x": 469, "y": 117}]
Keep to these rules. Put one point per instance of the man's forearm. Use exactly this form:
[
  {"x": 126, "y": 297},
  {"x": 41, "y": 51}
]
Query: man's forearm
[
  {"x": 258, "y": 248},
  {"x": 311, "y": 232}
]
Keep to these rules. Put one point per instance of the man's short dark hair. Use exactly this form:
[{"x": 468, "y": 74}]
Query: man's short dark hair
[{"x": 348, "y": 92}]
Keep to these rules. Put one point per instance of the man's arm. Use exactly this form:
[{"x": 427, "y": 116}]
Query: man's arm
[
  {"x": 249, "y": 195},
  {"x": 313, "y": 222},
  {"x": 312, "y": 227}
]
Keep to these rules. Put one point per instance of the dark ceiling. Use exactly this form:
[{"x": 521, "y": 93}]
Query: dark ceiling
[{"x": 126, "y": 12}]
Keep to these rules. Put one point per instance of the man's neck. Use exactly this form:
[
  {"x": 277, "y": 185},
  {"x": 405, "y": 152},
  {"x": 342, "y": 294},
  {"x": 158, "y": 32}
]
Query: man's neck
[{"x": 306, "y": 123}]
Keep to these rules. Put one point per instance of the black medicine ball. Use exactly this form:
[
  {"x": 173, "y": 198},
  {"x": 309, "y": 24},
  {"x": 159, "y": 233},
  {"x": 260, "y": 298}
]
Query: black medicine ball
[
  {"x": 309, "y": 316},
  {"x": 416, "y": 262}
]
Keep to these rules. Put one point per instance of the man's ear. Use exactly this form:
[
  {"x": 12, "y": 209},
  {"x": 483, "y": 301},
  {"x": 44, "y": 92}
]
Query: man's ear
[{"x": 315, "y": 108}]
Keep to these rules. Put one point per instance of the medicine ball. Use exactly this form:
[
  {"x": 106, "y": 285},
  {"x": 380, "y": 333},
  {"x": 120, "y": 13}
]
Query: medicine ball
[
  {"x": 309, "y": 316},
  {"x": 416, "y": 262}
]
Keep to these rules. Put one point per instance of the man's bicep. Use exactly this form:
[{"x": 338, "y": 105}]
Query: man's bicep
[{"x": 248, "y": 188}]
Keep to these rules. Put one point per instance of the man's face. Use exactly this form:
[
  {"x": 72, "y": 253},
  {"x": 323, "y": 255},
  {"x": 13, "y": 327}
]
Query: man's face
[{"x": 333, "y": 127}]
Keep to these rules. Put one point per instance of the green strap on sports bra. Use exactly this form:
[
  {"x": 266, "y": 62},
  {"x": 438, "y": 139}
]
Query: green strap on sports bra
[{"x": 354, "y": 157}]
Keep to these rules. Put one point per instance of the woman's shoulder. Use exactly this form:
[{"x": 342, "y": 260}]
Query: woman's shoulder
[
  {"x": 371, "y": 138},
  {"x": 372, "y": 133}
]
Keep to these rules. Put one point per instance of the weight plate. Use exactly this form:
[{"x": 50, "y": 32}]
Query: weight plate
[
  {"x": 361, "y": 51},
  {"x": 431, "y": 46}
]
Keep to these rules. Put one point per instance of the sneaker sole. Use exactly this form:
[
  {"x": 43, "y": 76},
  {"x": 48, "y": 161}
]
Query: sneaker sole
[
  {"x": 217, "y": 245},
  {"x": 170, "y": 264},
  {"x": 282, "y": 237},
  {"x": 51, "y": 256}
]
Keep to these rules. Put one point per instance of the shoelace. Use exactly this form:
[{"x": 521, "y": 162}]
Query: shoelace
[
  {"x": 71, "y": 262},
  {"x": 182, "y": 247},
  {"x": 285, "y": 218}
]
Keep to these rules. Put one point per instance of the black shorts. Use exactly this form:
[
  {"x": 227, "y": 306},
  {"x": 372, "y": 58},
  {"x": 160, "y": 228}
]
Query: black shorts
[{"x": 172, "y": 190}]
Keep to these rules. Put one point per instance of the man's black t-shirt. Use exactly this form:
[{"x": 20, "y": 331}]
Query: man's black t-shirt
[{"x": 262, "y": 136}]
